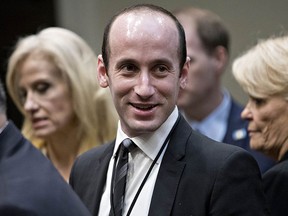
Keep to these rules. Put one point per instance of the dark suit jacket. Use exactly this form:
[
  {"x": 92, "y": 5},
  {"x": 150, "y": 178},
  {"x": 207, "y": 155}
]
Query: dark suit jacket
[
  {"x": 29, "y": 184},
  {"x": 276, "y": 187},
  {"x": 197, "y": 177},
  {"x": 236, "y": 123}
]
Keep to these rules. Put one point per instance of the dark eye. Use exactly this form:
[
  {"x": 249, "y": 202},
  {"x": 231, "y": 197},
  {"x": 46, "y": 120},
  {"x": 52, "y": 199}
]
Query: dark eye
[
  {"x": 258, "y": 101},
  {"x": 162, "y": 68},
  {"x": 42, "y": 87},
  {"x": 129, "y": 67}
]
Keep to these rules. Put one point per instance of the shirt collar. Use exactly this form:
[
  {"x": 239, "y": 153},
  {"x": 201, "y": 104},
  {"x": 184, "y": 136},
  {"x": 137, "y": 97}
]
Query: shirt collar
[
  {"x": 215, "y": 124},
  {"x": 149, "y": 143}
]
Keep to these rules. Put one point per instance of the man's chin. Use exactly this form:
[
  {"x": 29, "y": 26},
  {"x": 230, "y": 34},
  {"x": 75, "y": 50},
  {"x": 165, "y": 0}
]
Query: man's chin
[{"x": 143, "y": 128}]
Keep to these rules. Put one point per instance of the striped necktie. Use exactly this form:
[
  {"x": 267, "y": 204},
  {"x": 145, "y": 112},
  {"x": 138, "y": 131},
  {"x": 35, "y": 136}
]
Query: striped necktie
[{"x": 120, "y": 174}]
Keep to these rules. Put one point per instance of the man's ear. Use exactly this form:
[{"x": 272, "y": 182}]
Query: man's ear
[
  {"x": 102, "y": 73},
  {"x": 221, "y": 58},
  {"x": 184, "y": 73}
]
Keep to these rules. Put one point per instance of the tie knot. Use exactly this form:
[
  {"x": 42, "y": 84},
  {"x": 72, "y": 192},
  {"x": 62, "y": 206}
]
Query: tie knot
[{"x": 128, "y": 144}]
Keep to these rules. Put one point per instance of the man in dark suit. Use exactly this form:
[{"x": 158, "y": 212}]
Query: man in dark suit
[
  {"x": 205, "y": 103},
  {"x": 172, "y": 170},
  {"x": 29, "y": 184}
]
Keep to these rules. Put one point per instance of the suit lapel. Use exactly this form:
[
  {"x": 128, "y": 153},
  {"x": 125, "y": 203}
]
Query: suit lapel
[
  {"x": 102, "y": 172},
  {"x": 95, "y": 181},
  {"x": 170, "y": 171}
]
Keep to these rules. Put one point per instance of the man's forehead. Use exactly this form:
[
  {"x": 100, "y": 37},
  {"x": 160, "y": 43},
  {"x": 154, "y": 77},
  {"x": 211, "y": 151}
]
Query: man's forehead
[
  {"x": 138, "y": 26},
  {"x": 137, "y": 17}
]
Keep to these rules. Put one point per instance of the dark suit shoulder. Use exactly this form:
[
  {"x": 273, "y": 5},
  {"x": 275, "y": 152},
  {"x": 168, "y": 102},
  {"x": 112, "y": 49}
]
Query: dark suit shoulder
[
  {"x": 91, "y": 157},
  {"x": 214, "y": 152},
  {"x": 95, "y": 152},
  {"x": 280, "y": 169},
  {"x": 187, "y": 141},
  {"x": 277, "y": 176},
  {"x": 276, "y": 188},
  {"x": 190, "y": 146},
  {"x": 210, "y": 176},
  {"x": 88, "y": 175},
  {"x": 84, "y": 164},
  {"x": 30, "y": 182}
]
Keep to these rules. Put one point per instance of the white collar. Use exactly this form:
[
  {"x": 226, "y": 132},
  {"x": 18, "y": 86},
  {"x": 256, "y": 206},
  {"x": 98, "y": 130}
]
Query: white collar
[{"x": 149, "y": 143}]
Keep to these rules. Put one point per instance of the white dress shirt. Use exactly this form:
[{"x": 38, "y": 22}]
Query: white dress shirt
[{"x": 139, "y": 162}]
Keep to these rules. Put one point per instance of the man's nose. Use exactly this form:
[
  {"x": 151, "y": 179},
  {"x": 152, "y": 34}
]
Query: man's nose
[{"x": 144, "y": 87}]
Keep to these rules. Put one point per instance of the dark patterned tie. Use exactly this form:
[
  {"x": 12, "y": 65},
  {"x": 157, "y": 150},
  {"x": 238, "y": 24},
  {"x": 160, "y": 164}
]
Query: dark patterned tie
[{"x": 120, "y": 177}]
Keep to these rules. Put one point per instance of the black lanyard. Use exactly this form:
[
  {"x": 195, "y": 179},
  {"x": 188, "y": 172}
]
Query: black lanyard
[{"x": 148, "y": 172}]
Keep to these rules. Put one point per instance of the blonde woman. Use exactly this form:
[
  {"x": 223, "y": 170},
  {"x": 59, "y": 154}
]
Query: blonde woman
[
  {"x": 263, "y": 73},
  {"x": 52, "y": 80}
]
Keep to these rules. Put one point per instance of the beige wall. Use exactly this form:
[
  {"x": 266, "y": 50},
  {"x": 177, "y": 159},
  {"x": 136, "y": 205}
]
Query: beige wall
[{"x": 247, "y": 20}]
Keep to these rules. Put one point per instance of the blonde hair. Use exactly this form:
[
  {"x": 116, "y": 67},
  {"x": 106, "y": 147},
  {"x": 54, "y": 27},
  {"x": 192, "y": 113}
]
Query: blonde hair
[
  {"x": 263, "y": 70},
  {"x": 77, "y": 64}
]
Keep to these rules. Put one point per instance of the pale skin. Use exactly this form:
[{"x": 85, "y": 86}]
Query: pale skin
[
  {"x": 268, "y": 125},
  {"x": 47, "y": 104},
  {"x": 143, "y": 75},
  {"x": 203, "y": 91}
]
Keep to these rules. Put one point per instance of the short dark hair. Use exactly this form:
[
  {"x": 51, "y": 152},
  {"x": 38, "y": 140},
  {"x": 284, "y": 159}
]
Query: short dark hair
[
  {"x": 209, "y": 27},
  {"x": 182, "y": 41},
  {"x": 2, "y": 98}
]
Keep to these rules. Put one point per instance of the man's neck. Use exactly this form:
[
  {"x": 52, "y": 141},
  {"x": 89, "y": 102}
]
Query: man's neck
[{"x": 204, "y": 108}]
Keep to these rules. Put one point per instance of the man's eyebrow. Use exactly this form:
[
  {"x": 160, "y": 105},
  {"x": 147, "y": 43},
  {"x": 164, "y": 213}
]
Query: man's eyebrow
[
  {"x": 125, "y": 61},
  {"x": 165, "y": 61}
]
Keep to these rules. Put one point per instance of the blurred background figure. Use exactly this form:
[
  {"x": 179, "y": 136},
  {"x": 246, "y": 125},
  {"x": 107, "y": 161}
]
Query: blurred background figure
[
  {"x": 205, "y": 103},
  {"x": 52, "y": 79},
  {"x": 30, "y": 185},
  {"x": 262, "y": 72},
  {"x": 31, "y": 16}
]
